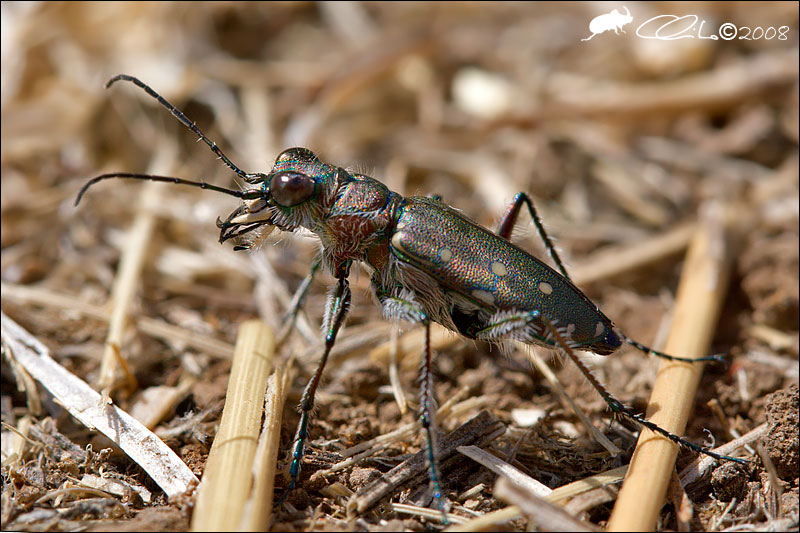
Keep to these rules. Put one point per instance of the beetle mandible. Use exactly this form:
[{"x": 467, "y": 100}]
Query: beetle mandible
[{"x": 429, "y": 262}]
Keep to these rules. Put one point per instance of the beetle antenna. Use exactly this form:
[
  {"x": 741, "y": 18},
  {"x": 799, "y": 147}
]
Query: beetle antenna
[
  {"x": 244, "y": 195},
  {"x": 177, "y": 113},
  {"x": 649, "y": 351}
]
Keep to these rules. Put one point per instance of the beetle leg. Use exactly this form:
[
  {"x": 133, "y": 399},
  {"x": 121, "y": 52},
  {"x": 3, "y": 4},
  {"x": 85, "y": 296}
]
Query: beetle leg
[
  {"x": 510, "y": 219},
  {"x": 525, "y": 326},
  {"x": 335, "y": 312},
  {"x": 403, "y": 307},
  {"x": 620, "y": 409},
  {"x": 290, "y": 319},
  {"x": 427, "y": 407}
]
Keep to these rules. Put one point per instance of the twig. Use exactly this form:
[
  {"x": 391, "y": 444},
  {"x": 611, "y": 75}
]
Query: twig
[
  {"x": 698, "y": 468},
  {"x": 481, "y": 429}
]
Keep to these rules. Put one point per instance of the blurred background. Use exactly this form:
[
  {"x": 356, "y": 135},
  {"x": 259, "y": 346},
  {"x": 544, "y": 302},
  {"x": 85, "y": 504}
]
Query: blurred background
[{"x": 621, "y": 140}]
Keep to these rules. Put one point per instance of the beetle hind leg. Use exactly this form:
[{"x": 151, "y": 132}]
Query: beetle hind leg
[
  {"x": 617, "y": 407},
  {"x": 507, "y": 225},
  {"x": 510, "y": 219}
]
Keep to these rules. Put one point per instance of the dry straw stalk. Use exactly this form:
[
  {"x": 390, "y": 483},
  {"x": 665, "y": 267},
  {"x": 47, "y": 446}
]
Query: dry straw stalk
[
  {"x": 228, "y": 476},
  {"x": 701, "y": 291}
]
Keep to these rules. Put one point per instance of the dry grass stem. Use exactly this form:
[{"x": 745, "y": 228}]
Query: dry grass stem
[
  {"x": 425, "y": 512},
  {"x": 716, "y": 89},
  {"x": 228, "y": 476},
  {"x": 153, "y": 404},
  {"x": 586, "y": 484},
  {"x": 512, "y": 512},
  {"x": 489, "y": 521},
  {"x": 257, "y": 513},
  {"x": 361, "y": 451},
  {"x": 447, "y": 409},
  {"x": 19, "y": 441},
  {"x": 568, "y": 402},
  {"x": 353, "y": 340},
  {"x": 410, "y": 346},
  {"x": 130, "y": 267},
  {"x": 150, "y": 326},
  {"x": 394, "y": 376},
  {"x": 629, "y": 194},
  {"x": 589, "y": 500},
  {"x": 703, "y": 285},
  {"x": 502, "y": 468},
  {"x": 616, "y": 260}
]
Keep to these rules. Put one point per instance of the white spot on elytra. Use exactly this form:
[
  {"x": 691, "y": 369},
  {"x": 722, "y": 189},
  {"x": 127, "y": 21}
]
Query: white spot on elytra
[
  {"x": 570, "y": 329},
  {"x": 484, "y": 296},
  {"x": 445, "y": 254},
  {"x": 545, "y": 287},
  {"x": 599, "y": 329},
  {"x": 397, "y": 240},
  {"x": 499, "y": 268}
]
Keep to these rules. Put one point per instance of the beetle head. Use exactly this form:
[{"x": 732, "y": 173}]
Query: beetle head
[{"x": 295, "y": 193}]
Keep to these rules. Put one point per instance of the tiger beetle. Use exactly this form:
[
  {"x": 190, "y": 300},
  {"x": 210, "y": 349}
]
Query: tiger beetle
[{"x": 429, "y": 262}]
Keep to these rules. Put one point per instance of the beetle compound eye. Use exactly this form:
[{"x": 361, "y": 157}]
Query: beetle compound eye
[
  {"x": 286, "y": 155},
  {"x": 296, "y": 154},
  {"x": 291, "y": 188}
]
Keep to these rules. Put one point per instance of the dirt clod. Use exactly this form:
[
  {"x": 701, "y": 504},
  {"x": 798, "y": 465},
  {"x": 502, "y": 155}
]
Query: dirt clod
[{"x": 782, "y": 442}]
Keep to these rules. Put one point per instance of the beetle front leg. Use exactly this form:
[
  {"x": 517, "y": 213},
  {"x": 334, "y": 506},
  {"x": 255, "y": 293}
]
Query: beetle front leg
[
  {"x": 290, "y": 319},
  {"x": 336, "y": 311}
]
